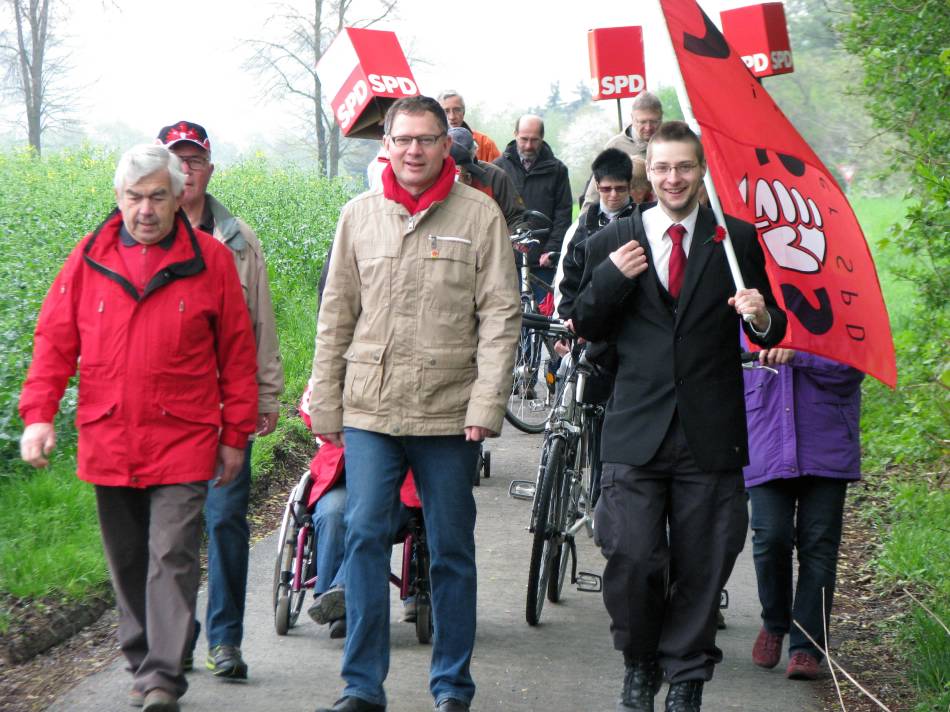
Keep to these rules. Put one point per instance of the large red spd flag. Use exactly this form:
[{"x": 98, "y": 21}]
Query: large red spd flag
[{"x": 818, "y": 261}]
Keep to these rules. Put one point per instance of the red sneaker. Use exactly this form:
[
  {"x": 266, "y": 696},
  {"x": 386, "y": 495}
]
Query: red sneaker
[
  {"x": 803, "y": 666},
  {"x": 767, "y": 650}
]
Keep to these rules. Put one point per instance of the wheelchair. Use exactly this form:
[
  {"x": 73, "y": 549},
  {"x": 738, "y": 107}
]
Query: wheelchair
[{"x": 295, "y": 568}]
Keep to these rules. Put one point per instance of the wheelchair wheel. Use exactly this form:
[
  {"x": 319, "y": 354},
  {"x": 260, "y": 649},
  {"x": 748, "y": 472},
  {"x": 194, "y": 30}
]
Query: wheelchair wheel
[{"x": 423, "y": 618}]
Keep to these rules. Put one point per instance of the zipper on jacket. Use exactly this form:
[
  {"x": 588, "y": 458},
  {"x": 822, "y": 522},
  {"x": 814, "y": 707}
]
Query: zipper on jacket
[{"x": 412, "y": 222}]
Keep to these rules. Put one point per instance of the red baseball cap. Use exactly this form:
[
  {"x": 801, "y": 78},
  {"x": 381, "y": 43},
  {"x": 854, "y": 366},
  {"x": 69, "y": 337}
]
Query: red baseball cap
[{"x": 184, "y": 131}]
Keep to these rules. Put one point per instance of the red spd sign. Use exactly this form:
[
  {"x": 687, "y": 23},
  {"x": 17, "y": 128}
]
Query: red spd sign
[
  {"x": 363, "y": 72},
  {"x": 617, "y": 67},
  {"x": 759, "y": 35}
]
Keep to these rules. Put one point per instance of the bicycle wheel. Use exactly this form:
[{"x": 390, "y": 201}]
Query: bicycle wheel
[
  {"x": 561, "y": 561},
  {"x": 546, "y": 539},
  {"x": 531, "y": 398},
  {"x": 569, "y": 512}
]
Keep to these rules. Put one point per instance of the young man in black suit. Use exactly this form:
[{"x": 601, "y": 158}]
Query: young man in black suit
[{"x": 674, "y": 442}]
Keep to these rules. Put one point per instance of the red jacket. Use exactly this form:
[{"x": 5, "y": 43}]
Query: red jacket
[{"x": 164, "y": 377}]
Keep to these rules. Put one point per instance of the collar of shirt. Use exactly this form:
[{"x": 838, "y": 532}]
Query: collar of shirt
[
  {"x": 612, "y": 215},
  {"x": 655, "y": 223},
  {"x": 126, "y": 239}
]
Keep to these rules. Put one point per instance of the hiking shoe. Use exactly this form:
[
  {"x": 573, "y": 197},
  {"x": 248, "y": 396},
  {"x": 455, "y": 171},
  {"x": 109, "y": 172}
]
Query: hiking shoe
[
  {"x": 686, "y": 696},
  {"x": 338, "y": 629},
  {"x": 136, "y": 698},
  {"x": 328, "y": 606},
  {"x": 159, "y": 700},
  {"x": 226, "y": 661},
  {"x": 641, "y": 681},
  {"x": 803, "y": 666},
  {"x": 767, "y": 650}
]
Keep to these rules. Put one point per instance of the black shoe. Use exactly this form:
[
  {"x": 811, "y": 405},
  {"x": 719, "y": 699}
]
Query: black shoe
[
  {"x": 328, "y": 606},
  {"x": 353, "y": 704},
  {"x": 641, "y": 682},
  {"x": 226, "y": 661},
  {"x": 720, "y": 620},
  {"x": 685, "y": 696},
  {"x": 338, "y": 628},
  {"x": 452, "y": 705}
]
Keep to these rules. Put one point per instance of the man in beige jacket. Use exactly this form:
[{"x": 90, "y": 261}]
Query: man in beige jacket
[
  {"x": 415, "y": 344},
  {"x": 226, "y": 507}
]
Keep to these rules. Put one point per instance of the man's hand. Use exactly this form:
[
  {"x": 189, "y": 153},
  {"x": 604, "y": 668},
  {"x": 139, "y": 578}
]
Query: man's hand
[
  {"x": 229, "y": 464},
  {"x": 775, "y": 357},
  {"x": 630, "y": 259},
  {"x": 749, "y": 301},
  {"x": 476, "y": 433},
  {"x": 37, "y": 441},
  {"x": 545, "y": 260},
  {"x": 266, "y": 422},
  {"x": 332, "y": 438}
]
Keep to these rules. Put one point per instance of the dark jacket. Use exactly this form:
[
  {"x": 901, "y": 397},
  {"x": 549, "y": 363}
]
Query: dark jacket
[
  {"x": 803, "y": 420},
  {"x": 545, "y": 188},
  {"x": 678, "y": 357},
  {"x": 572, "y": 266}
]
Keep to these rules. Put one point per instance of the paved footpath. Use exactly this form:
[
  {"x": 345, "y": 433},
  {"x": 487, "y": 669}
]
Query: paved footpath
[{"x": 566, "y": 664}]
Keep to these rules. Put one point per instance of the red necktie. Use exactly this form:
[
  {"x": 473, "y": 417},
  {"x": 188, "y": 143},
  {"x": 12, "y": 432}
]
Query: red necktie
[{"x": 677, "y": 259}]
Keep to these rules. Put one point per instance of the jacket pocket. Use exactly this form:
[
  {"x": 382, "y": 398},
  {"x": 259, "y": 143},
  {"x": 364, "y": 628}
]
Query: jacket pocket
[
  {"x": 191, "y": 414},
  {"x": 448, "y": 273},
  {"x": 754, "y": 397},
  {"x": 95, "y": 331},
  {"x": 447, "y": 378},
  {"x": 87, "y": 413},
  {"x": 363, "y": 383}
]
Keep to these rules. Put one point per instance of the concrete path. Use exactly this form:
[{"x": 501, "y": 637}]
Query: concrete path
[{"x": 565, "y": 664}]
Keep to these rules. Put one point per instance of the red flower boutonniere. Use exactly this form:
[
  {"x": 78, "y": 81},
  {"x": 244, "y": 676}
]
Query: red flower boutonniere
[{"x": 717, "y": 236}]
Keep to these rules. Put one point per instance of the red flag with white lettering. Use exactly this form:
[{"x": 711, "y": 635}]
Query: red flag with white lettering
[{"x": 817, "y": 258}]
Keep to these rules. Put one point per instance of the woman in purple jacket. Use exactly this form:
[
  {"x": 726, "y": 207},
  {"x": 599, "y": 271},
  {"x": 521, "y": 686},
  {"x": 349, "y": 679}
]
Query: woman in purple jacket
[{"x": 804, "y": 448}]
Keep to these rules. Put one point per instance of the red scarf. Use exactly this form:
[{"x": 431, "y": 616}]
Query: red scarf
[{"x": 435, "y": 192}]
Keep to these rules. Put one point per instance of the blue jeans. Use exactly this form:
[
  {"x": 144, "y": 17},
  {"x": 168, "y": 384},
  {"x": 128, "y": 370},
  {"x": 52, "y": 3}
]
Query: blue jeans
[
  {"x": 228, "y": 547},
  {"x": 804, "y": 513},
  {"x": 329, "y": 537},
  {"x": 444, "y": 468}
]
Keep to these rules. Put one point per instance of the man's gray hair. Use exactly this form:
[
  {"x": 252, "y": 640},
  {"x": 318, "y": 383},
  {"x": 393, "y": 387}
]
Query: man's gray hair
[
  {"x": 448, "y": 94},
  {"x": 144, "y": 160},
  {"x": 647, "y": 101}
]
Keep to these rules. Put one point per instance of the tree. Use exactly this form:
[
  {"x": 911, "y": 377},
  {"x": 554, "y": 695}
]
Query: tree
[
  {"x": 289, "y": 65},
  {"x": 33, "y": 65}
]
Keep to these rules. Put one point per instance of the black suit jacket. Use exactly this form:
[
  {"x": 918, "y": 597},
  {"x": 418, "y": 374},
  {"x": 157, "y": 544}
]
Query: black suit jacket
[{"x": 682, "y": 359}]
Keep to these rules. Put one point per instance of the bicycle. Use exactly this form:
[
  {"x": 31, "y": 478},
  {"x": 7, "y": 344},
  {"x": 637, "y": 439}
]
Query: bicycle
[
  {"x": 531, "y": 397},
  {"x": 567, "y": 484}
]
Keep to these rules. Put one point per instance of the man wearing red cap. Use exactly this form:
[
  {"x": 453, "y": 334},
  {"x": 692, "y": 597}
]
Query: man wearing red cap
[{"x": 226, "y": 507}]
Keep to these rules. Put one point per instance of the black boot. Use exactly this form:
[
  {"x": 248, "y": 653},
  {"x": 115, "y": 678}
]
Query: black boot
[
  {"x": 686, "y": 696},
  {"x": 641, "y": 682}
]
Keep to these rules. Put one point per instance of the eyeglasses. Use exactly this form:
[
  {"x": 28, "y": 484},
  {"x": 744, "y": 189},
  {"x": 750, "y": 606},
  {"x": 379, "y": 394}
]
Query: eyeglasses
[
  {"x": 426, "y": 140},
  {"x": 195, "y": 163},
  {"x": 618, "y": 189},
  {"x": 684, "y": 169}
]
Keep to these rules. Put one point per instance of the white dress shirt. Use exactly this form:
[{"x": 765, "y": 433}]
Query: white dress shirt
[{"x": 656, "y": 223}]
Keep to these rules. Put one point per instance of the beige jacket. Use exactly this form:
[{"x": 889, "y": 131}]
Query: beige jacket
[
  {"x": 420, "y": 318},
  {"x": 249, "y": 260}
]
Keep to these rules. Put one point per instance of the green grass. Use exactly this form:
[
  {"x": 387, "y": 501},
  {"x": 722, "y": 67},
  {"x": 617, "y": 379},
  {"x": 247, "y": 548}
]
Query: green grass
[{"x": 916, "y": 557}]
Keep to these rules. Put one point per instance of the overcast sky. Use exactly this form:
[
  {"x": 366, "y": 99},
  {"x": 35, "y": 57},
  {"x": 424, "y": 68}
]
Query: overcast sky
[{"x": 147, "y": 64}]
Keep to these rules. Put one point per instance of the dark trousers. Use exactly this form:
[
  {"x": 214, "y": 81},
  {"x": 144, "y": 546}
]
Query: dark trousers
[
  {"x": 151, "y": 538},
  {"x": 803, "y": 513},
  {"x": 671, "y": 535}
]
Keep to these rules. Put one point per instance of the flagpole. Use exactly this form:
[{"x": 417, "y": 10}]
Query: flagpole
[{"x": 687, "y": 108}]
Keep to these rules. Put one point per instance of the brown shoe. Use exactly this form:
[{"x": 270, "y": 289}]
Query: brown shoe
[
  {"x": 803, "y": 666},
  {"x": 159, "y": 700},
  {"x": 767, "y": 650}
]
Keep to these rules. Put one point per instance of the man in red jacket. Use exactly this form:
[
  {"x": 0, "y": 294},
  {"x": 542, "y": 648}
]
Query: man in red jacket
[{"x": 153, "y": 313}]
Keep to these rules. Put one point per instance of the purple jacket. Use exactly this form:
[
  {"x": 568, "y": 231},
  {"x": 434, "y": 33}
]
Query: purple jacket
[{"x": 803, "y": 421}]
